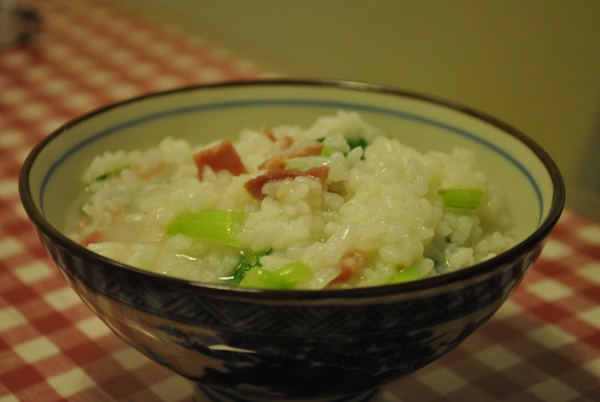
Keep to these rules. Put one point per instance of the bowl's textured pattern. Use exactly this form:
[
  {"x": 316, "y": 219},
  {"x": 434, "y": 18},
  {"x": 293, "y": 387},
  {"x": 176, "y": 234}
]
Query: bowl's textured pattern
[{"x": 286, "y": 350}]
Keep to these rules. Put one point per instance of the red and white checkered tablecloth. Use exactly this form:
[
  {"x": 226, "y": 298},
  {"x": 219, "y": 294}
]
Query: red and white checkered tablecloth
[{"x": 543, "y": 344}]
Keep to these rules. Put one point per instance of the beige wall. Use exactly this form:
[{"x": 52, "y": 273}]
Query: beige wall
[{"x": 533, "y": 63}]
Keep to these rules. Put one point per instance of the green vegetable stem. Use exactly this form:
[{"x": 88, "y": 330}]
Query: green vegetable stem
[
  {"x": 462, "y": 198},
  {"x": 352, "y": 143},
  {"x": 217, "y": 226},
  {"x": 248, "y": 260},
  {"x": 284, "y": 277},
  {"x": 407, "y": 274}
]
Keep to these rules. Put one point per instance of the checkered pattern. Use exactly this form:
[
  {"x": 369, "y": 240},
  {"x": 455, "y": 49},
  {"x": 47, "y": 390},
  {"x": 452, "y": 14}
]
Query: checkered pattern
[{"x": 544, "y": 344}]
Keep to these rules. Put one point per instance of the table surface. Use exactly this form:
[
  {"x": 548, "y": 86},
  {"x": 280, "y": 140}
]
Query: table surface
[{"x": 543, "y": 344}]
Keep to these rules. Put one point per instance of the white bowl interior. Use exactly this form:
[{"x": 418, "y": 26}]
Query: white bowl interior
[{"x": 204, "y": 114}]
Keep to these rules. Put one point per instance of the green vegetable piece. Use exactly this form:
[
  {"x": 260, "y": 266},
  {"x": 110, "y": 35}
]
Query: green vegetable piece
[
  {"x": 112, "y": 173},
  {"x": 463, "y": 198},
  {"x": 357, "y": 142},
  {"x": 407, "y": 274},
  {"x": 294, "y": 272},
  {"x": 324, "y": 152},
  {"x": 248, "y": 260},
  {"x": 284, "y": 277},
  {"x": 352, "y": 143},
  {"x": 218, "y": 226},
  {"x": 263, "y": 278}
]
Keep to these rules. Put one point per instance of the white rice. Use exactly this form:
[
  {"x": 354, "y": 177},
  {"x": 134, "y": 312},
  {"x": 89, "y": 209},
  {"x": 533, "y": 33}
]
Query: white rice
[{"x": 380, "y": 203}]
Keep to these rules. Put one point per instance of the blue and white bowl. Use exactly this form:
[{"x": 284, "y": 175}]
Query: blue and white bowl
[{"x": 330, "y": 345}]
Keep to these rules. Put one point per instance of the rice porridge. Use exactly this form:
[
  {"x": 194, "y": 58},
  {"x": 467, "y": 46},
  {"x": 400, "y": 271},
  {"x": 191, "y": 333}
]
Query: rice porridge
[{"x": 336, "y": 205}]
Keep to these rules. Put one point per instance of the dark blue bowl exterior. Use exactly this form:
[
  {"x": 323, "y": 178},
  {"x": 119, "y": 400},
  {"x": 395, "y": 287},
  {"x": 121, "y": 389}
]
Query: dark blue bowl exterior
[{"x": 293, "y": 350}]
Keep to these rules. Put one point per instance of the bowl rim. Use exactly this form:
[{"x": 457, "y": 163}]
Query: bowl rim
[{"x": 481, "y": 269}]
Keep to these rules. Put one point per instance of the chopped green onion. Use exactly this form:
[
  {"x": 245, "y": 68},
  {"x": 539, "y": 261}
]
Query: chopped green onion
[
  {"x": 217, "y": 226},
  {"x": 464, "y": 198},
  {"x": 407, "y": 274},
  {"x": 248, "y": 260}
]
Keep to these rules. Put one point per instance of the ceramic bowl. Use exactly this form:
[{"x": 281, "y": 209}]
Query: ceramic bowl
[{"x": 330, "y": 345}]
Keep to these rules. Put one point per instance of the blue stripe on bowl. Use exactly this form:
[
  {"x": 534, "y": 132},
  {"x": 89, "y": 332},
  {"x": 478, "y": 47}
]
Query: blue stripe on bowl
[{"x": 294, "y": 102}]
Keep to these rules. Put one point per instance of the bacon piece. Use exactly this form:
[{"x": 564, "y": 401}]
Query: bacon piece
[
  {"x": 268, "y": 131},
  {"x": 254, "y": 186},
  {"x": 221, "y": 156},
  {"x": 156, "y": 171},
  {"x": 282, "y": 143},
  {"x": 285, "y": 142},
  {"x": 350, "y": 263},
  {"x": 93, "y": 237},
  {"x": 278, "y": 161}
]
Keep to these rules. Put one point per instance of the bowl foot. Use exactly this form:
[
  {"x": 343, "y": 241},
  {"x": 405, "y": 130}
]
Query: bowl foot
[{"x": 204, "y": 394}]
